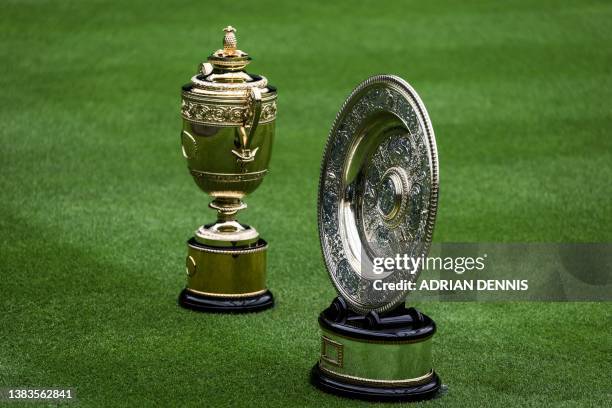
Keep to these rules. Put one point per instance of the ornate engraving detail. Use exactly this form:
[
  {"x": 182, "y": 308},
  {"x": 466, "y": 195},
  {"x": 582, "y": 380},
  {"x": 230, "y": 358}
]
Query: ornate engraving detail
[
  {"x": 224, "y": 115},
  {"x": 229, "y": 177},
  {"x": 409, "y": 154},
  {"x": 229, "y": 251},
  {"x": 407, "y": 226},
  {"x": 268, "y": 112}
]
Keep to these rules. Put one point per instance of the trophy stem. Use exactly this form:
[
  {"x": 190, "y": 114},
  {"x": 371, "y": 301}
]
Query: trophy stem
[{"x": 227, "y": 207}]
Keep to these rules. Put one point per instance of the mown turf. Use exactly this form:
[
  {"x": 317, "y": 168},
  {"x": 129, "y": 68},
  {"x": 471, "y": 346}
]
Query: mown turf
[{"x": 96, "y": 201}]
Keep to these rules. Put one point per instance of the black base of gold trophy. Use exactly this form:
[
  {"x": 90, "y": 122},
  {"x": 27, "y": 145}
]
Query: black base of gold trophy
[
  {"x": 378, "y": 196},
  {"x": 228, "y": 130}
]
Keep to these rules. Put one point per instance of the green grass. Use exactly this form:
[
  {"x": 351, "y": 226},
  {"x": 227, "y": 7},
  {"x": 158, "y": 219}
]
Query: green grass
[{"x": 96, "y": 202}]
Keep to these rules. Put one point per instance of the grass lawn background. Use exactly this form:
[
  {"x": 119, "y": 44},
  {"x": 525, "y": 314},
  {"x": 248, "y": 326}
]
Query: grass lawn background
[{"x": 96, "y": 201}]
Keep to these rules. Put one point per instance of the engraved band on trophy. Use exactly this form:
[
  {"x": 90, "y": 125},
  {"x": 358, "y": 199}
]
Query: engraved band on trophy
[
  {"x": 228, "y": 129},
  {"x": 378, "y": 195}
]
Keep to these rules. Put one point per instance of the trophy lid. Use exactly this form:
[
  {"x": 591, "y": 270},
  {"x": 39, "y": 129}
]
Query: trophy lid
[
  {"x": 224, "y": 75},
  {"x": 378, "y": 192},
  {"x": 229, "y": 58}
]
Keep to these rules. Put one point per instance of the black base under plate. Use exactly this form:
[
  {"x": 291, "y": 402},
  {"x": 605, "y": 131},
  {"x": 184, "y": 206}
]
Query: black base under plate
[
  {"x": 215, "y": 304},
  {"x": 370, "y": 393}
]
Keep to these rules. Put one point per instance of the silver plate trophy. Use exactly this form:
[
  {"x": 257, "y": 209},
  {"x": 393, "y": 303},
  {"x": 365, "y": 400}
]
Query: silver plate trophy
[{"x": 378, "y": 196}]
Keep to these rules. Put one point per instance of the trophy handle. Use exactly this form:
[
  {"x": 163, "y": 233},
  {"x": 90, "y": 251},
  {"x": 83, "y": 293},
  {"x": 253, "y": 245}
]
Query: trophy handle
[{"x": 245, "y": 154}]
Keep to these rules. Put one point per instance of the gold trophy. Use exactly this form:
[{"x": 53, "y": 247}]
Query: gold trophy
[{"x": 228, "y": 130}]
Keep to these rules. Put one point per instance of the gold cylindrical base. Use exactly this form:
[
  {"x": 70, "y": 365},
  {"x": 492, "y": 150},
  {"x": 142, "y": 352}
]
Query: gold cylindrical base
[
  {"x": 376, "y": 357},
  {"x": 375, "y": 363},
  {"x": 226, "y": 279},
  {"x": 226, "y": 272}
]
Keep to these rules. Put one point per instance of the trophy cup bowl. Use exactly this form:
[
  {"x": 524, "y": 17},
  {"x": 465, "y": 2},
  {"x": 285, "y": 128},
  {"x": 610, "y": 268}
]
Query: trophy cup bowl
[{"x": 228, "y": 131}]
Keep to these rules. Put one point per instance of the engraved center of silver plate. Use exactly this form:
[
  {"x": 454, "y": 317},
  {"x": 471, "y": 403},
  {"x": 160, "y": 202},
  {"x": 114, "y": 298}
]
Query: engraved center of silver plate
[
  {"x": 387, "y": 197},
  {"x": 392, "y": 194}
]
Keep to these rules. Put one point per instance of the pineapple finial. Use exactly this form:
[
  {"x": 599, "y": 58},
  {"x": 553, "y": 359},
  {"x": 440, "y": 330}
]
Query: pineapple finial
[{"x": 229, "y": 40}]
